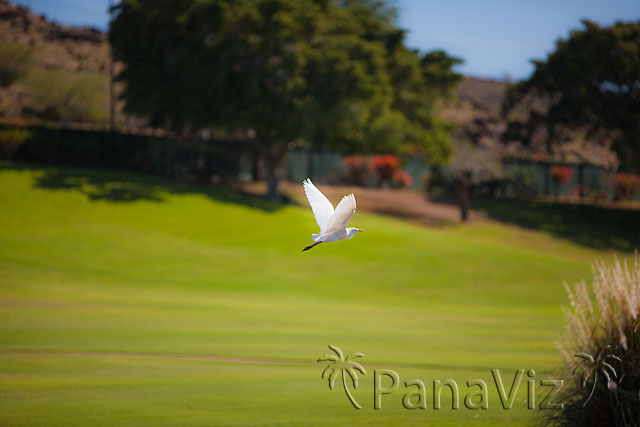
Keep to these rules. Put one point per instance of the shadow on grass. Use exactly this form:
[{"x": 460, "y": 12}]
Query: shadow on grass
[
  {"x": 598, "y": 227},
  {"x": 123, "y": 187}
]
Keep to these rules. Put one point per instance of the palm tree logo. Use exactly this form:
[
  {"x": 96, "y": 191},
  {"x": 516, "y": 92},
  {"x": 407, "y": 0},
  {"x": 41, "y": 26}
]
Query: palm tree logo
[
  {"x": 592, "y": 367},
  {"x": 338, "y": 364}
]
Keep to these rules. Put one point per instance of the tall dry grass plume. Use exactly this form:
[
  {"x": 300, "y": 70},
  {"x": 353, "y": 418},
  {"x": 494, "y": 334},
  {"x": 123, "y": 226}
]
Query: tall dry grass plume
[{"x": 601, "y": 348}]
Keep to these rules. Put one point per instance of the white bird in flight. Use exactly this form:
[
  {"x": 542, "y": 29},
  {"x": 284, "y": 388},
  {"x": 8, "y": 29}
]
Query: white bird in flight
[{"x": 333, "y": 224}]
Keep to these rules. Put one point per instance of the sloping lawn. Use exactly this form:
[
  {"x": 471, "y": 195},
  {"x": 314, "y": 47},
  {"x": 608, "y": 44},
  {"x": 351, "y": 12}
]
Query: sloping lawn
[{"x": 108, "y": 278}]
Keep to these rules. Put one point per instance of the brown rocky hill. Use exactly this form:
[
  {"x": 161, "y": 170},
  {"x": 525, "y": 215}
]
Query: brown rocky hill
[
  {"x": 477, "y": 111},
  {"x": 56, "y": 46},
  {"x": 51, "y": 71}
]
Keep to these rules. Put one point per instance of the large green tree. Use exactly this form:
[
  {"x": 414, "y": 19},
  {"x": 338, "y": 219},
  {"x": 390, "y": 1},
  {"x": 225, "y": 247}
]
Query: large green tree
[
  {"x": 281, "y": 71},
  {"x": 590, "y": 82}
]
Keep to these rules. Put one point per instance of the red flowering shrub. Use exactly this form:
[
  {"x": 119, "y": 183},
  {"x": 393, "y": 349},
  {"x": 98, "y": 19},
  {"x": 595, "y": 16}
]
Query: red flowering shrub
[
  {"x": 561, "y": 175},
  {"x": 402, "y": 179},
  {"x": 358, "y": 169},
  {"x": 386, "y": 166},
  {"x": 626, "y": 185}
]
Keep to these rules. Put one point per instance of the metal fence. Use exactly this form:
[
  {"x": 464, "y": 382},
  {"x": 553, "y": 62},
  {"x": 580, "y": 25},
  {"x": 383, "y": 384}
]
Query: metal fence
[
  {"x": 327, "y": 167},
  {"x": 523, "y": 177},
  {"x": 584, "y": 180},
  {"x": 164, "y": 156}
]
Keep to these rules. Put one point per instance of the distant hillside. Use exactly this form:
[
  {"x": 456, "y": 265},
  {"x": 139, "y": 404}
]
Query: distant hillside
[
  {"x": 483, "y": 94},
  {"x": 57, "y": 46},
  {"x": 51, "y": 71},
  {"x": 477, "y": 113}
]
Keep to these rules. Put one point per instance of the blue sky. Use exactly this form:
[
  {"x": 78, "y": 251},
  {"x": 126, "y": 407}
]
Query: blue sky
[{"x": 496, "y": 38}]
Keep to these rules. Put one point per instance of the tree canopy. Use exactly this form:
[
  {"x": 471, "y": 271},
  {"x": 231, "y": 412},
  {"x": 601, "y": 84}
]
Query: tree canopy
[
  {"x": 592, "y": 82},
  {"x": 330, "y": 72}
]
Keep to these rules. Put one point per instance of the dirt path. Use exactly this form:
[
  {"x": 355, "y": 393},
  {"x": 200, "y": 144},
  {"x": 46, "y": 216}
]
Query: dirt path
[{"x": 411, "y": 205}]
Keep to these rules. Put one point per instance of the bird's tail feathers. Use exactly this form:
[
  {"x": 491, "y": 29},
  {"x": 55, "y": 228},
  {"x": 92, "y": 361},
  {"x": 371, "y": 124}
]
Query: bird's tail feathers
[{"x": 315, "y": 237}]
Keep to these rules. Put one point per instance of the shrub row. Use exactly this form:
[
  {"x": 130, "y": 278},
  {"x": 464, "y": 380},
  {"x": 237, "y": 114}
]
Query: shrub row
[{"x": 192, "y": 160}]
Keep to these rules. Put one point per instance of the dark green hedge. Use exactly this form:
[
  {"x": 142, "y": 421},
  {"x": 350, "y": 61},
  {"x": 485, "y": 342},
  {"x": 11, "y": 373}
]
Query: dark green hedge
[{"x": 194, "y": 160}]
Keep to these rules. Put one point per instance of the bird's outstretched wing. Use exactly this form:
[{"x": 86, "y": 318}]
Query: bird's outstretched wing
[
  {"x": 344, "y": 211},
  {"x": 320, "y": 205}
]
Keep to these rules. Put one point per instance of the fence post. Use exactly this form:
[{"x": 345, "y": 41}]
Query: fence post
[
  {"x": 546, "y": 168},
  {"x": 310, "y": 163},
  {"x": 581, "y": 180}
]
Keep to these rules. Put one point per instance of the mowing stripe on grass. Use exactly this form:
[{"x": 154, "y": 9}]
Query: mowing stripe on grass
[{"x": 226, "y": 359}]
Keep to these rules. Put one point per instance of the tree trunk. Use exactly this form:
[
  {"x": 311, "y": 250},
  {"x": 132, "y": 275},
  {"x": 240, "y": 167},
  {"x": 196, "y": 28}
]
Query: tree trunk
[
  {"x": 464, "y": 203},
  {"x": 273, "y": 181},
  {"x": 273, "y": 157},
  {"x": 464, "y": 197},
  {"x": 256, "y": 170}
]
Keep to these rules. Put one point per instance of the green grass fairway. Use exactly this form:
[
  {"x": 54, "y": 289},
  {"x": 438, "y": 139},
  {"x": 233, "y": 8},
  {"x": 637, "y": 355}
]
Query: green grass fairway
[{"x": 111, "y": 285}]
